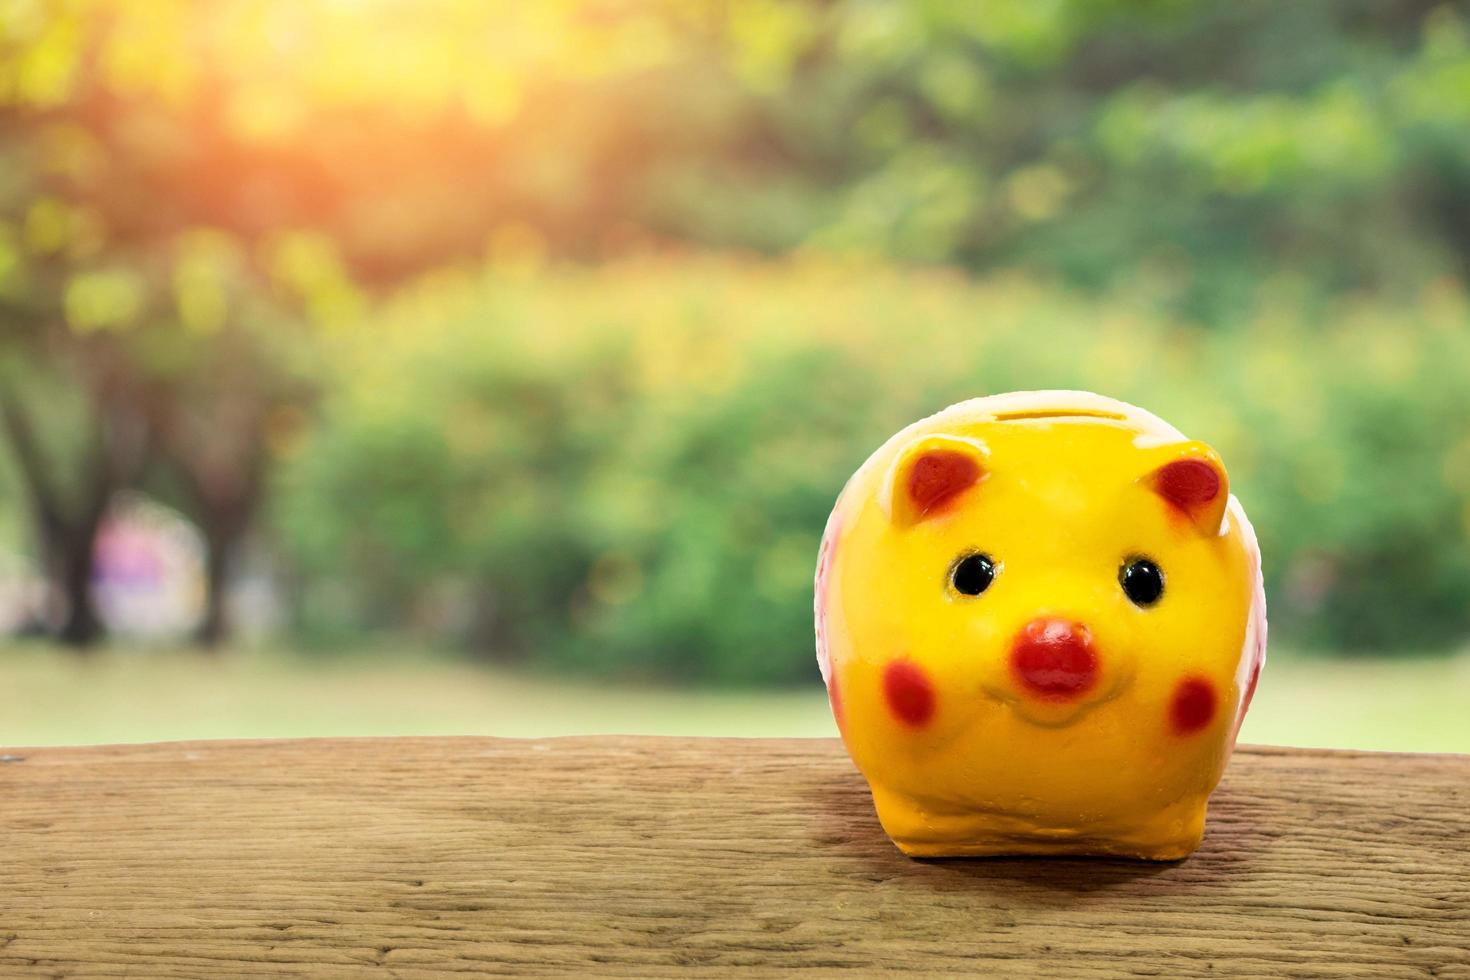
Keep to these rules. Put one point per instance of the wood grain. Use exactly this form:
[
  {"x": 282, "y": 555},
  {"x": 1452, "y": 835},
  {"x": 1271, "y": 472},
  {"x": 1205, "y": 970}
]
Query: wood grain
[{"x": 664, "y": 857}]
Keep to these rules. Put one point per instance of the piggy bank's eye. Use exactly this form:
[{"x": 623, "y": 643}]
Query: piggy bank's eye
[
  {"x": 972, "y": 574},
  {"x": 1142, "y": 581}
]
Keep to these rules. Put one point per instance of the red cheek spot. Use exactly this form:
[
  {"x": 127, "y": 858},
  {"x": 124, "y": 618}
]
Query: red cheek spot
[
  {"x": 834, "y": 696},
  {"x": 909, "y": 693},
  {"x": 938, "y": 477},
  {"x": 1193, "y": 706}
]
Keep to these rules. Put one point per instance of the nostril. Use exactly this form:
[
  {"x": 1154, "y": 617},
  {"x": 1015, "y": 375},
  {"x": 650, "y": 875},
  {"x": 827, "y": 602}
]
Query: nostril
[{"x": 1054, "y": 659}]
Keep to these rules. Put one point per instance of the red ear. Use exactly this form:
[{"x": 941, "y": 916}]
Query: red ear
[
  {"x": 1195, "y": 486},
  {"x": 930, "y": 475},
  {"x": 938, "y": 476},
  {"x": 1187, "y": 483}
]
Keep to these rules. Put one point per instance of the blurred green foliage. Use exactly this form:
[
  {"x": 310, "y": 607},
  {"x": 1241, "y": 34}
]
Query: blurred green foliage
[
  {"x": 627, "y": 469},
  {"x": 553, "y": 328}
]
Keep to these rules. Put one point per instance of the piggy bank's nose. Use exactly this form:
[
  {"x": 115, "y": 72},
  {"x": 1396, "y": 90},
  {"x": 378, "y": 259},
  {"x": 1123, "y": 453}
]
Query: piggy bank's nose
[{"x": 1054, "y": 659}]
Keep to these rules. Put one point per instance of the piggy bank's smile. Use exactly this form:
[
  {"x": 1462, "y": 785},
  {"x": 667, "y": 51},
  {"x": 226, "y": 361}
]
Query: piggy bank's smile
[{"x": 1052, "y": 712}]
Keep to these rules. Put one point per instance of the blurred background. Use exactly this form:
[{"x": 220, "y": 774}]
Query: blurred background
[{"x": 446, "y": 366}]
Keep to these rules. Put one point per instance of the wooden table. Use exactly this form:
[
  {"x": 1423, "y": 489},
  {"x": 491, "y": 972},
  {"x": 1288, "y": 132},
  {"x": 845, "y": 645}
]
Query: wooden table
[{"x": 662, "y": 857}]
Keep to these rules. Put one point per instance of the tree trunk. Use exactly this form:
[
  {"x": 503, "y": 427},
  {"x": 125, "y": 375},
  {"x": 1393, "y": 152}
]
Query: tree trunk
[
  {"x": 223, "y": 509},
  {"x": 218, "y": 560},
  {"x": 74, "y": 562}
]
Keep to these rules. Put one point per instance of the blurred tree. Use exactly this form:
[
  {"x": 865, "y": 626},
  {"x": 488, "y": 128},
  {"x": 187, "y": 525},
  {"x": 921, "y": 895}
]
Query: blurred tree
[
  {"x": 70, "y": 472},
  {"x": 165, "y": 331},
  {"x": 157, "y": 400},
  {"x": 217, "y": 422}
]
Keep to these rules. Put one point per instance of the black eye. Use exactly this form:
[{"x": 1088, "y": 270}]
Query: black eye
[
  {"x": 972, "y": 574},
  {"x": 1142, "y": 581}
]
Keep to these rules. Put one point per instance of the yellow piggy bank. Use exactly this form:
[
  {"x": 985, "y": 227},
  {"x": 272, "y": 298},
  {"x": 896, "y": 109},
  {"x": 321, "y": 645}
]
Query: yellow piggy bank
[{"x": 1040, "y": 620}]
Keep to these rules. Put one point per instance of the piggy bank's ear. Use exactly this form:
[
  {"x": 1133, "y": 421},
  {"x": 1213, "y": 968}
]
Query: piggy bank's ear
[
  {"x": 930, "y": 475},
  {"x": 1192, "y": 482}
]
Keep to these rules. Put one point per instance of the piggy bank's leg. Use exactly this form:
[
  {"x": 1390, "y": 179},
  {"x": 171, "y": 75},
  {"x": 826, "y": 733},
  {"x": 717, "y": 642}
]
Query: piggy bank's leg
[
  {"x": 922, "y": 830},
  {"x": 929, "y": 829},
  {"x": 1166, "y": 835}
]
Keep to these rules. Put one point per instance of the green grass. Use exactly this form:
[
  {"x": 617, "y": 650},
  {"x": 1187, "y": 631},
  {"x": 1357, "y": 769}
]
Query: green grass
[{"x": 52, "y": 698}]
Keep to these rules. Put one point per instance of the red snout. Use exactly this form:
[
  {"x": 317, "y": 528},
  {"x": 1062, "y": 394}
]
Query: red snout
[{"x": 1054, "y": 659}]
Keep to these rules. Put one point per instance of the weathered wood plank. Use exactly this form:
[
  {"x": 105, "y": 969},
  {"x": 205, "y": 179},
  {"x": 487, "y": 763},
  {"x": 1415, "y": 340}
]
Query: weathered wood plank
[{"x": 654, "y": 857}]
